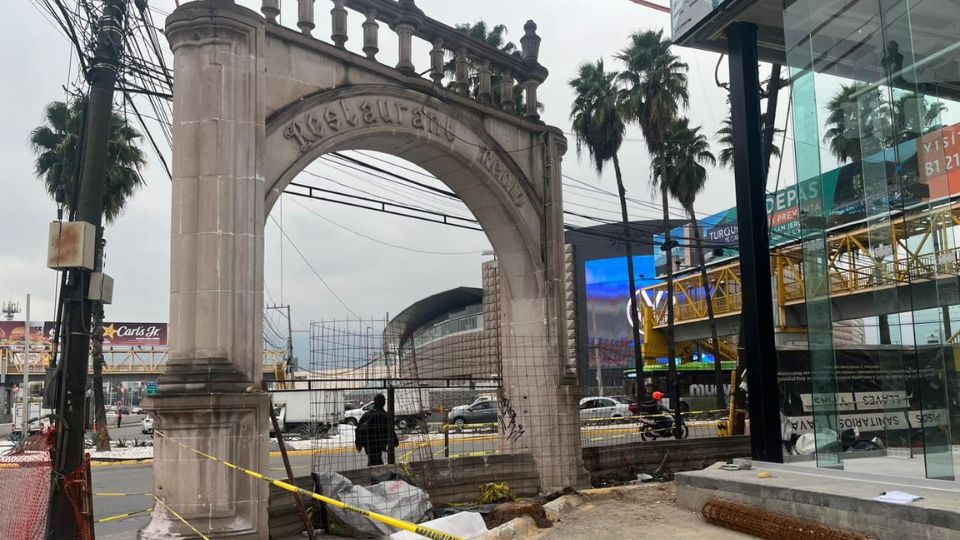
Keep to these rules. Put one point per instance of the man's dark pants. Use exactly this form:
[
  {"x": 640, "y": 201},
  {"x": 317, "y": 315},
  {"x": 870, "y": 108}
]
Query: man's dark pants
[{"x": 375, "y": 458}]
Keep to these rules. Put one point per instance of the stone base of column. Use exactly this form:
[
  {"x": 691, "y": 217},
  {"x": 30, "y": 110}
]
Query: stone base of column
[{"x": 218, "y": 501}]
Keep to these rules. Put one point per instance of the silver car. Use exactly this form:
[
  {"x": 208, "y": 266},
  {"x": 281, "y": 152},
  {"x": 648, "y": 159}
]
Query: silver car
[{"x": 597, "y": 407}]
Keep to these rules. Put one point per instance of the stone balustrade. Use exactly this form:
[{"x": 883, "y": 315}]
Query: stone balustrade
[{"x": 481, "y": 72}]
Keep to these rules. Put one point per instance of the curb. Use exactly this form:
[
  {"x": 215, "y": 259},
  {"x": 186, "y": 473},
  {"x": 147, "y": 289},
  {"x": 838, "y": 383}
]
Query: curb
[{"x": 522, "y": 526}]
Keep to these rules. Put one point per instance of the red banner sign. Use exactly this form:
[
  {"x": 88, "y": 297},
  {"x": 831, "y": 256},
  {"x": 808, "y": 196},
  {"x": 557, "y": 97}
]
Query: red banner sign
[
  {"x": 134, "y": 334},
  {"x": 12, "y": 333},
  {"x": 115, "y": 334},
  {"x": 939, "y": 155}
]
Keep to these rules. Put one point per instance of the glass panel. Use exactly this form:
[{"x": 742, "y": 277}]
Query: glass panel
[
  {"x": 916, "y": 111},
  {"x": 801, "y": 56},
  {"x": 877, "y": 124}
]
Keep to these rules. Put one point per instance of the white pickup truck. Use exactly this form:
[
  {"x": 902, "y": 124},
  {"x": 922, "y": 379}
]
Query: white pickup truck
[{"x": 411, "y": 408}]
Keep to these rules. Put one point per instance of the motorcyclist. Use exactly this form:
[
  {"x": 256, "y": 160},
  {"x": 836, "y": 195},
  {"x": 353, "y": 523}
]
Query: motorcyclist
[{"x": 653, "y": 405}]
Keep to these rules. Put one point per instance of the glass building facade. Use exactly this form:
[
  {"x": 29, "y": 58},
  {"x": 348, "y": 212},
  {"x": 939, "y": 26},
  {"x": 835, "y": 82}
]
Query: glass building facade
[{"x": 876, "y": 93}]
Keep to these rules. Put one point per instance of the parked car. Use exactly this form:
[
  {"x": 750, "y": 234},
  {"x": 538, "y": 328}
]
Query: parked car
[
  {"x": 480, "y": 399},
  {"x": 137, "y": 410},
  {"x": 484, "y": 412},
  {"x": 603, "y": 407},
  {"x": 353, "y": 416},
  {"x": 147, "y": 426}
]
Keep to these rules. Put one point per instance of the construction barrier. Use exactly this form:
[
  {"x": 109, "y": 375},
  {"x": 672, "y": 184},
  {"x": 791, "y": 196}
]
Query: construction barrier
[
  {"x": 24, "y": 490},
  {"x": 392, "y": 522}
]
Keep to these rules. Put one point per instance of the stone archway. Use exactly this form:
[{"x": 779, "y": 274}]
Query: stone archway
[{"x": 255, "y": 103}]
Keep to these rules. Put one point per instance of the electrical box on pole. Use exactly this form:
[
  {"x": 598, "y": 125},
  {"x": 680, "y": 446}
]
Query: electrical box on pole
[{"x": 72, "y": 245}]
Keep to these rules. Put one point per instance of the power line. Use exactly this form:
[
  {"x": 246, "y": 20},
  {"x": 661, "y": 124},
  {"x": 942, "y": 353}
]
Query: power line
[
  {"x": 385, "y": 243},
  {"x": 312, "y": 269}
]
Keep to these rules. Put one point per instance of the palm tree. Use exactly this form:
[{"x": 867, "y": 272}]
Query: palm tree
[
  {"x": 655, "y": 90},
  {"x": 681, "y": 167},
  {"x": 56, "y": 145},
  {"x": 851, "y": 128},
  {"x": 913, "y": 116},
  {"x": 494, "y": 37},
  {"x": 725, "y": 140},
  {"x": 599, "y": 127}
]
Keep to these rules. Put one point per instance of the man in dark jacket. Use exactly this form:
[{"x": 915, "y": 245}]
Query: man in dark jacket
[{"x": 375, "y": 432}]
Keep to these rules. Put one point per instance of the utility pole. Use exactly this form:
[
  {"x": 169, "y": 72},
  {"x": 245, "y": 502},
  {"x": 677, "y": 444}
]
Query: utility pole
[
  {"x": 72, "y": 375},
  {"x": 10, "y": 309},
  {"x": 24, "y": 392}
]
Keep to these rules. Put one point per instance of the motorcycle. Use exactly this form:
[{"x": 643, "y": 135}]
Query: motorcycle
[{"x": 661, "y": 426}]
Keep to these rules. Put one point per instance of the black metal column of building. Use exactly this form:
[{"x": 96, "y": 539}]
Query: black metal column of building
[{"x": 759, "y": 345}]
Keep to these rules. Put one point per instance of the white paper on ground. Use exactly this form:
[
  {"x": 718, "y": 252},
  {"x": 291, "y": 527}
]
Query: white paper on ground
[
  {"x": 462, "y": 524},
  {"x": 898, "y": 497}
]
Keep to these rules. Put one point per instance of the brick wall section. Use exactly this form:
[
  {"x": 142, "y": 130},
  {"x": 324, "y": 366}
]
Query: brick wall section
[
  {"x": 570, "y": 300},
  {"x": 284, "y": 519},
  {"x": 625, "y": 461}
]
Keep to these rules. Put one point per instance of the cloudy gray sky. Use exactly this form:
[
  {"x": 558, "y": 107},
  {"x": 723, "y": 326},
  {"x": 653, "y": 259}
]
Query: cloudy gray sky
[{"x": 349, "y": 247}]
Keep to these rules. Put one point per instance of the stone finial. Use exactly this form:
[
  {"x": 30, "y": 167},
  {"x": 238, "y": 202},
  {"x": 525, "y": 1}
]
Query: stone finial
[
  {"x": 339, "y": 19},
  {"x": 270, "y": 9},
  {"x": 370, "y": 35},
  {"x": 530, "y": 42}
]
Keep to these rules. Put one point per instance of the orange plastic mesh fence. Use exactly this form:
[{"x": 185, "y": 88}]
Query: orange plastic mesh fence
[
  {"x": 77, "y": 485},
  {"x": 24, "y": 489}
]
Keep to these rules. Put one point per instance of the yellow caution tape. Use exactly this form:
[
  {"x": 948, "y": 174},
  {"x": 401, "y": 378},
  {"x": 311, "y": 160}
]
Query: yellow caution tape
[
  {"x": 122, "y": 516},
  {"x": 178, "y": 516},
  {"x": 433, "y": 534}
]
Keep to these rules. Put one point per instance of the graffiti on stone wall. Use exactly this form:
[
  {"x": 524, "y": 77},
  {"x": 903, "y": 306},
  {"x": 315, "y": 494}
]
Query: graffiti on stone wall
[{"x": 508, "y": 420}]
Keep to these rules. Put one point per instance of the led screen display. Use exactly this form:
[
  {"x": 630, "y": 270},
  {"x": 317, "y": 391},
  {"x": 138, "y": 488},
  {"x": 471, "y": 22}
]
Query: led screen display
[{"x": 608, "y": 318}]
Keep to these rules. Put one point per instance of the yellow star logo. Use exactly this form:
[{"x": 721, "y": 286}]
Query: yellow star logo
[{"x": 109, "y": 331}]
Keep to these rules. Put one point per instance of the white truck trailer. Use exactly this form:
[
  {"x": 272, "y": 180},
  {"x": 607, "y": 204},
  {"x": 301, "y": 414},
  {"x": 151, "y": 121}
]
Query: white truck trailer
[
  {"x": 37, "y": 415},
  {"x": 311, "y": 413}
]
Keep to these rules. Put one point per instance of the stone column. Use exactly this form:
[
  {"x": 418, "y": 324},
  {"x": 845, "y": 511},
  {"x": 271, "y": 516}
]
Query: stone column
[
  {"x": 539, "y": 410},
  {"x": 208, "y": 397}
]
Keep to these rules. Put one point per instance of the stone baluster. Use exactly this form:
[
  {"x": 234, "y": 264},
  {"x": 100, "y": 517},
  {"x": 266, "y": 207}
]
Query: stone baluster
[
  {"x": 530, "y": 98},
  {"x": 305, "y": 14},
  {"x": 461, "y": 84},
  {"x": 436, "y": 61},
  {"x": 530, "y": 45},
  {"x": 338, "y": 16},
  {"x": 370, "y": 35},
  {"x": 506, "y": 91},
  {"x": 484, "y": 94},
  {"x": 270, "y": 10},
  {"x": 405, "y": 32}
]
